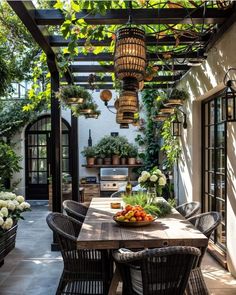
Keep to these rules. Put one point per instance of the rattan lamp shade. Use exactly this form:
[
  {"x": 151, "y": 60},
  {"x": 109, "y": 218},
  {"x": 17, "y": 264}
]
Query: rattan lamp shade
[{"x": 130, "y": 53}]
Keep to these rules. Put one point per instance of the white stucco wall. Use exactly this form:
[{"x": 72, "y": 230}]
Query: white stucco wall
[{"x": 202, "y": 82}]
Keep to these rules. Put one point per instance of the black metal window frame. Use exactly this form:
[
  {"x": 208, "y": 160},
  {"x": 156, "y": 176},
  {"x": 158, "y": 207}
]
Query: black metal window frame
[{"x": 214, "y": 98}]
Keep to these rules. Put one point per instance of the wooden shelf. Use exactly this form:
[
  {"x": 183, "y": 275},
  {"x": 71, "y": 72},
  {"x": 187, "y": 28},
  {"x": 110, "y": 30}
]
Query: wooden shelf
[{"x": 112, "y": 166}]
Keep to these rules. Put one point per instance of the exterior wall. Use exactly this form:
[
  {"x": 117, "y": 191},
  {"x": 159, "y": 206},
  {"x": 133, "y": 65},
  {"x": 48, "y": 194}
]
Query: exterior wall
[{"x": 202, "y": 82}]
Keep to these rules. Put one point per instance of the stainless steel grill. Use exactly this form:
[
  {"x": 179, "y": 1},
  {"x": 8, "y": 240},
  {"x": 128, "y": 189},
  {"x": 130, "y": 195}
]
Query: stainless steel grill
[{"x": 111, "y": 179}]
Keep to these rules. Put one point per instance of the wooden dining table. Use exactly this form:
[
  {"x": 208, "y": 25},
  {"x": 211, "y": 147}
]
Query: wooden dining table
[{"x": 100, "y": 231}]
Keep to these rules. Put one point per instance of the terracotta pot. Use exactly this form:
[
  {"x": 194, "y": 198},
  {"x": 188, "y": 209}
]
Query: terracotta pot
[
  {"x": 107, "y": 161},
  {"x": 122, "y": 161},
  {"x": 90, "y": 161},
  {"x": 115, "y": 160},
  {"x": 131, "y": 161},
  {"x": 99, "y": 161}
]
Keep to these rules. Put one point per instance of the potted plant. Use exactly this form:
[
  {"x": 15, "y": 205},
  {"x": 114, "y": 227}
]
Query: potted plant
[
  {"x": 89, "y": 152},
  {"x": 176, "y": 98},
  {"x": 132, "y": 154},
  {"x": 73, "y": 95},
  {"x": 100, "y": 155},
  {"x": 124, "y": 150},
  {"x": 104, "y": 145},
  {"x": 115, "y": 147},
  {"x": 11, "y": 209}
]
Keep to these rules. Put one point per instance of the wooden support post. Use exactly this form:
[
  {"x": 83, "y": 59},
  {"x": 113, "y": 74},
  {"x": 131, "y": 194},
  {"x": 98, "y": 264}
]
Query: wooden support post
[
  {"x": 74, "y": 158},
  {"x": 55, "y": 143}
]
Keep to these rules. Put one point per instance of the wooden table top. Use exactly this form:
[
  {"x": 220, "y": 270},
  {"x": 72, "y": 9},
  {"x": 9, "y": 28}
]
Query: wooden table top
[{"x": 100, "y": 231}]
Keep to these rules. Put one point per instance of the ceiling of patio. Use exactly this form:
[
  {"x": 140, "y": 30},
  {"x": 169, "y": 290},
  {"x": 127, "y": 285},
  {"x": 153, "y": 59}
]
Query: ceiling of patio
[{"x": 175, "y": 34}]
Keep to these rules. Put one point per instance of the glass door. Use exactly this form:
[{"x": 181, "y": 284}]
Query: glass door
[
  {"x": 214, "y": 164},
  {"x": 38, "y": 159}
]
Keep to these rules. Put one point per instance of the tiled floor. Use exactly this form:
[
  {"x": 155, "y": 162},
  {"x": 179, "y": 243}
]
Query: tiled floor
[{"x": 32, "y": 269}]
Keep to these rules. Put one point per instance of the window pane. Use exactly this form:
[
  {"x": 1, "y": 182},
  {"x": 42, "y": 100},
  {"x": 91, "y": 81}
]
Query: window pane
[
  {"x": 65, "y": 152},
  {"x": 220, "y": 160},
  {"x": 65, "y": 165},
  {"x": 42, "y": 177},
  {"x": 42, "y": 152},
  {"x": 42, "y": 165},
  {"x": 220, "y": 129},
  {"x": 32, "y": 152},
  {"x": 32, "y": 139},
  {"x": 65, "y": 139},
  {"x": 212, "y": 136},
  {"x": 218, "y": 110},
  {"x": 33, "y": 177},
  {"x": 212, "y": 110},
  {"x": 33, "y": 165},
  {"x": 211, "y": 160},
  {"x": 42, "y": 138}
]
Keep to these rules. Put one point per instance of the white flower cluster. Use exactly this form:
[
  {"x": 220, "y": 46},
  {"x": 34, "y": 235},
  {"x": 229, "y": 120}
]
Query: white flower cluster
[
  {"x": 153, "y": 178},
  {"x": 11, "y": 206}
]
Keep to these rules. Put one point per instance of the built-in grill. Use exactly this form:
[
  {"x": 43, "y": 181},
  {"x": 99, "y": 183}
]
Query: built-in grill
[{"x": 111, "y": 179}]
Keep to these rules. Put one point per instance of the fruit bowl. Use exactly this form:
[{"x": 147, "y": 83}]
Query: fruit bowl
[{"x": 134, "y": 223}]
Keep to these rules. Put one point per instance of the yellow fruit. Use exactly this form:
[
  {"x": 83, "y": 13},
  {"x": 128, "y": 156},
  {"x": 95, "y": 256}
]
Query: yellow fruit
[
  {"x": 132, "y": 219},
  {"x": 120, "y": 218},
  {"x": 126, "y": 220}
]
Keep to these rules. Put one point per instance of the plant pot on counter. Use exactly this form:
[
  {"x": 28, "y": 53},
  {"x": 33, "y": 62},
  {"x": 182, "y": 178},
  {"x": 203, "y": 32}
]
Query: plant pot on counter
[
  {"x": 115, "y": 160},
  {"x": 107, "y": 161},
  {"x": 99, "y": 161},
  {"x": 123, "y": 161},
  {"x": 90, "y": 161},
  {"x": 7, "y": 242},
  {"x": 131, "y": 161}
]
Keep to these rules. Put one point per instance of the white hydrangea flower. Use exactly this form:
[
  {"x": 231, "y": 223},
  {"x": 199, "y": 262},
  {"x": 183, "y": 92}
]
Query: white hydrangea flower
[
  {"x": 4, "y": 211},
  {"x": 20, "y": 199},
  {"x": 8, "y": 223},
  {"x": 3, "y": 203},
  {"x": 25, "y": 205},
  {"x": 1, "y": 215},
  {"x": 11, "y": 206},
  {"x": 20, "y": 207},
  {"x": 145, "y": 176},
  {"x": 153, "y": 178},
  {"x": 162, "y": 181},
  {"x": 140, "y": 179},
  {"x": 158, "y": 172},
  {"x": 1, "y": 221}
]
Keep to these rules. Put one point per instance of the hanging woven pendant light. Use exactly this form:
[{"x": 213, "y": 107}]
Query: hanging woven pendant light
[{"x": 130, "y": 53}]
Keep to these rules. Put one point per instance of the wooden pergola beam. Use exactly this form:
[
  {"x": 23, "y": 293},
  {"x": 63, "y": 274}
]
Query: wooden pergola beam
[
  {"x": 60, "y": 41},
  {"x": 108, "y": 79},
  {"x": 110, "y": 68},
  {"x": 110, "y": 86},
  {"x": 151, "y": 56},
  {"x": 139, "y": 16}
]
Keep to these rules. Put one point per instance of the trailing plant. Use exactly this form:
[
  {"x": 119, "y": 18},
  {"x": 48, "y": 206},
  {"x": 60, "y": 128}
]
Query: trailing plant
[
  {"x": 179, "y": 94},
  {"x": 171, "y": 145},
  {"x": 149, "y": 140},
  {"x": 13, "y": 118},
  {"x": 5, "y": 77}
]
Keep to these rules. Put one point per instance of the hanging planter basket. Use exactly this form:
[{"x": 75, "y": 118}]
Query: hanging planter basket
[
  {"x": 173, "y": 103},
  {"x": 168, "y": 111},
  {"x": 73, "y": 95}
]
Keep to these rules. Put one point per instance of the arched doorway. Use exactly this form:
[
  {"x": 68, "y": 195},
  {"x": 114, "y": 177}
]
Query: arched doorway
[{"x": 38, "y": 156}]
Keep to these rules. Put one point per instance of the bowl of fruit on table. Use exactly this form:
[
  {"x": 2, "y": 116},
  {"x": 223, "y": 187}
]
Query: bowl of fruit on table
[{"x": 133, "y": 216}]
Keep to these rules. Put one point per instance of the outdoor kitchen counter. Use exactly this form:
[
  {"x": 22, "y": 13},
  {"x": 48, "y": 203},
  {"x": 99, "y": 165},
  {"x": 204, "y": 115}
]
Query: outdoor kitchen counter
[{"x": 100, "y": 231}]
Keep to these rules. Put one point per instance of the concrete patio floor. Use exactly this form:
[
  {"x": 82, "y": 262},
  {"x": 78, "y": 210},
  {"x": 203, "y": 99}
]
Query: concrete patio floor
[{"x": 32, "y": 269}]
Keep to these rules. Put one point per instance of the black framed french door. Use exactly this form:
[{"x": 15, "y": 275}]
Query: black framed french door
[
  {"x": 38, "y": 157},
  {"x": 214, "y": 152}
]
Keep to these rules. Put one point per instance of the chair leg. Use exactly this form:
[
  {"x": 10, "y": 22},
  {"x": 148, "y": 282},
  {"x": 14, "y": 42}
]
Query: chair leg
[
  {"x": 196, "y": 284},
  {"x": 61, "y": 285}
]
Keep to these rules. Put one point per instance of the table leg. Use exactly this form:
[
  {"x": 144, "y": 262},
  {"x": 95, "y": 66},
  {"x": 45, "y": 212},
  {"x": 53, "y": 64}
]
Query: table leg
[{"x": 114, "y": 282}]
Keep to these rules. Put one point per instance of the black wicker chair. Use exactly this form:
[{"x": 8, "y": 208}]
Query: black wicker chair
[
  {"x": 188, "y": 209},
  {"x": 85, "y": 271},
  {"x": 156, "y": 271},
  {"x": 75, "y": 209},
  {"x": 205, "y": 223}
]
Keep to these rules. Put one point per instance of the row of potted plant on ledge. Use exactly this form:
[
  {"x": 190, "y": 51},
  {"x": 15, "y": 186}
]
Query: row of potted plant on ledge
[{"x": 111, "y": 150}]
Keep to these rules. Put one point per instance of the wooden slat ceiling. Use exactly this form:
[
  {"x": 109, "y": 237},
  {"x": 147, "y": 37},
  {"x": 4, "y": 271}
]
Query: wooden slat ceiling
[{"x": 170, "y": 70}]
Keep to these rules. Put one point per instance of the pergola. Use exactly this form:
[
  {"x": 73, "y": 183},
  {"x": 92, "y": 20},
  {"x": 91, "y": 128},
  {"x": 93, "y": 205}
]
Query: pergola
[{"x": 171, "y": 71}]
